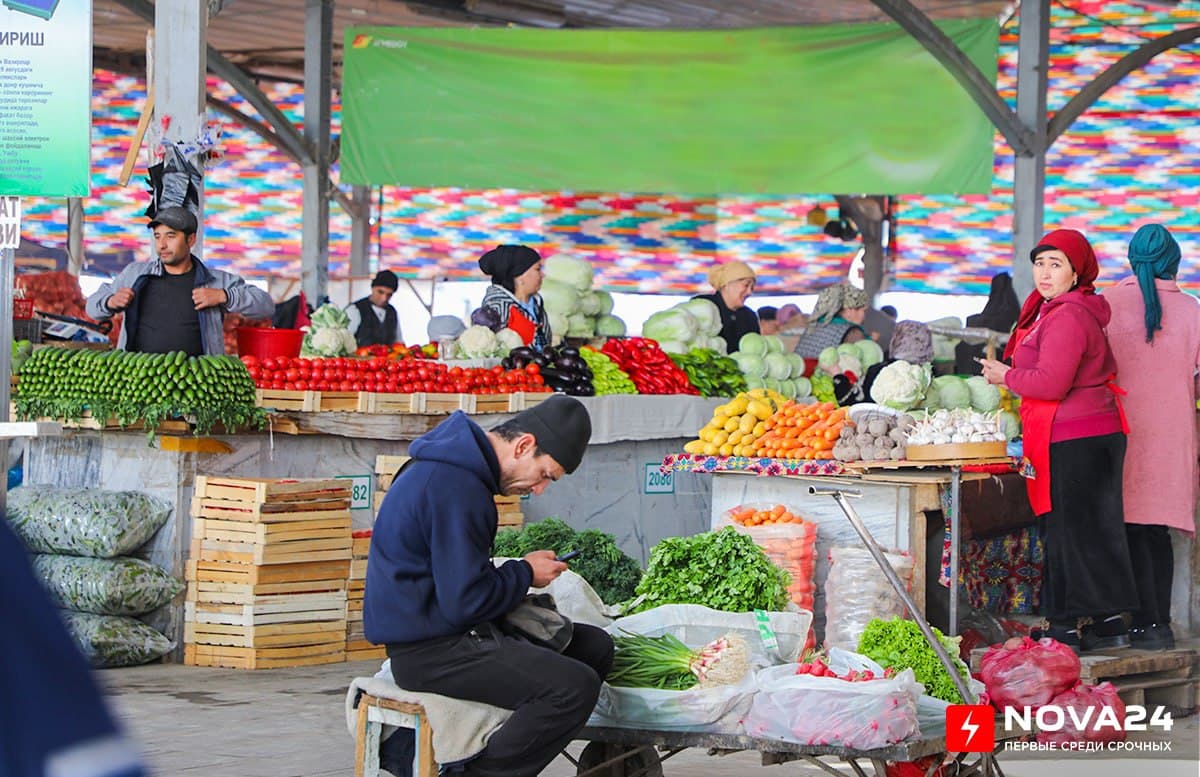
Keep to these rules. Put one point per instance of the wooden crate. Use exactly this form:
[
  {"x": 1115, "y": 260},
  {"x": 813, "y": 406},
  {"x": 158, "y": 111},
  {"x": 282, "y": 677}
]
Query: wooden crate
[
  {"x": 271, "y": 512},
  {"x": 337, "y": 401},
  {"x": 292, "y": 608},
  {"x": 218, "y": 571},
  {"x": 265, "y": 491},
  {"x": 295, "y": 552},
  {"x": 262, "y": 658},
  {"x": 330, "y": 633},
  {"x": 508, "y": 509},
  {"x": 521, "y": 400},
  {"x": 377, "y": 500},
  {"x": 360, "y": 546},
  {"x": 362, "y": 650},
  {"x": 389, "y": 404},
  {"x": 278, "y": 399},
  {"x": 437, "y": 404},
  {"x": 270, "y": 533},
  {"x": 242, "y": 593}
]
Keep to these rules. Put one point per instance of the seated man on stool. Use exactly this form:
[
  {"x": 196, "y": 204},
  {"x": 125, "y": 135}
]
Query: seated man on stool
[{"x": 435, "y": 599}]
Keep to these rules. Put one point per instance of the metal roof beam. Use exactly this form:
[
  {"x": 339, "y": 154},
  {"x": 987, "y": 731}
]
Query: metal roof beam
[
  {"x": 919, "y": 26},
  {"x": 1088, "y": 95}
]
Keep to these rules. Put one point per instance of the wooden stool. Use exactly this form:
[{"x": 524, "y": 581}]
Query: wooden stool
[{"x": 373, "y": 714}]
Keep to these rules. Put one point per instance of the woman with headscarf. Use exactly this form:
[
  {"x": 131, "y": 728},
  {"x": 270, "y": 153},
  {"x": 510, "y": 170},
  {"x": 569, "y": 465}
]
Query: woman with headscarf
[
  {"x": 1155, "y": 337},
  {"x": 1074, "y": 444},
  {"x": 516, "y": 273},
  {"x": 998, "y": 314},
  {"x": 734, "y": 283},
  {"x": 837, "y": 318}
]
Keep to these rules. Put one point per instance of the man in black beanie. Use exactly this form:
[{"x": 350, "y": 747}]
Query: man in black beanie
[
  {"x": 435, "y": 599},
  {"x": 373, "y": 320}
]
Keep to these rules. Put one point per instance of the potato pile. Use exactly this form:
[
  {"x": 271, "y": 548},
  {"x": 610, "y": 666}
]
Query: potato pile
[{"x": 873, "y": 437}]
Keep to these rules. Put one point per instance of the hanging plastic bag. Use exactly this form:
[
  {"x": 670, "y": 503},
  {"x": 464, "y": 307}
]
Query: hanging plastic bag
[
  {"x": 1023, "y": 672},
  {"x": 857, "y": 592}
]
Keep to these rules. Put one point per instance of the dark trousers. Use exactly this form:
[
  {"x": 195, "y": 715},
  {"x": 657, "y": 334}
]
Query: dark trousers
[
  {"x": 1153, "y": 567},
  {"x": 551, "y": 694},
  {"x": 1086, "y": 570}
]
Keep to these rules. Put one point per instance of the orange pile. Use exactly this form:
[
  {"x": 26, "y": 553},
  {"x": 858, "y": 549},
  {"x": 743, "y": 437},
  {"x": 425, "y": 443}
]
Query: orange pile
[{"x": 802, "y": 431}]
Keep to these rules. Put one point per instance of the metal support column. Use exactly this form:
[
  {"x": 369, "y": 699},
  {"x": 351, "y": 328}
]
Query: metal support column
[
  {"x": 1029, "y": 173},
  {"x": 75, "y": 235},
  {"x": 181, "y": 61},
  {"x": 360, "y": 230},
  {"x": 318, "y": 85}
]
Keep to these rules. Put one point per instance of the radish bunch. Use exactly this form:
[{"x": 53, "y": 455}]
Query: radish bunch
[{"x": 818, "y": 668}]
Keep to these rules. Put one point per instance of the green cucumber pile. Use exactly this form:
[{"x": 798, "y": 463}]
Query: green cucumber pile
[
  {"x": 148, "y": 387},
  {"x": 607, "y": 377}
]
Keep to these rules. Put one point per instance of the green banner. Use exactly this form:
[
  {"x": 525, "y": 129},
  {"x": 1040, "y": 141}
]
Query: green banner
[
  {"x": 45, "y": 98},
  {"x": 784, "y": 110}
]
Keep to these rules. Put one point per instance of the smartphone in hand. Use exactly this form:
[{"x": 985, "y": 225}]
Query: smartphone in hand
[{"x": 568, "y": 556}]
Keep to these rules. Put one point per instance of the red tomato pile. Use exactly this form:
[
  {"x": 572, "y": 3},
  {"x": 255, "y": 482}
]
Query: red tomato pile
[
  {"x": 388, "y": 376},
  {"x": 648, "y": 366}
]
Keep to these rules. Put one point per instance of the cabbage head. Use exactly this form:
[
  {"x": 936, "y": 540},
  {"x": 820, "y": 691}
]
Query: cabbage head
[
  {"x": 674, "y": 325},
  {"x": 803, "y": 386},
  {"x": 753, "y": 343},
  {"x": 580, "y": 325},
  {"x": 774, "y": 343},
  {"x": 569, "y": 270},
  {"x": 589, "y": 304},
  {"x": 708, "y": 317},
  {"x": 952, "y": 392},
  {"x": 778, "y": 367},
  {"x": 673, "y": 346},
  {"x": 605, "y": 301},
  {"x": 610, "y": 326},
  {"x": 559, "y": 297},
  {"x": 900, "y": 385},
  {"x": 797, "y": 362},
  {"x": 827, "y": 360},
  {"x": 718, "y": 344},
  {"x": 984, "y": 396},
  {"x": 751, "y": 364},
  {"x": 869, "y": 352}
]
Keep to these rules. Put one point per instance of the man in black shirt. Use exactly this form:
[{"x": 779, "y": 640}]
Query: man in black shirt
[
  {"x": 176, "y": 303},
  {"x": 373, "y": 320}
]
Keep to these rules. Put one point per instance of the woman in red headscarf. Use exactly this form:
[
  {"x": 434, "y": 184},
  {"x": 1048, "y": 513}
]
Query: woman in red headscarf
[{"x": 1074, "y": 444}]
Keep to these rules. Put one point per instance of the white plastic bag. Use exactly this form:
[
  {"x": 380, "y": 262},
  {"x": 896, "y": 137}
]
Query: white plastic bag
[
  {"x": 828, "y": 711},
  {"x": 856, "y": 592},
  {"x": 696, "y": 625},
  {"x": 718, "y": 709}
]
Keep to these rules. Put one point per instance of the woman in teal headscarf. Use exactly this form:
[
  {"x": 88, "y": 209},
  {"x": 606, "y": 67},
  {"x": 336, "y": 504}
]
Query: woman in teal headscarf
[{"x": 1155, "y": 337}]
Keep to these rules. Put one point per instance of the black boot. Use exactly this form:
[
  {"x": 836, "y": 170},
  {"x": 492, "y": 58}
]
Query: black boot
[
  {"x": 1107, "y": 634},
  {"x": 1156, "y": 636}
]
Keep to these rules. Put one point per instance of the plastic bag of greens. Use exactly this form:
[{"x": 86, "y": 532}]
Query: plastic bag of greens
[
  {"x": 117, "y": 586},
  {"x": 84, "y": 522},
  {"x": 115, "y": 640}
]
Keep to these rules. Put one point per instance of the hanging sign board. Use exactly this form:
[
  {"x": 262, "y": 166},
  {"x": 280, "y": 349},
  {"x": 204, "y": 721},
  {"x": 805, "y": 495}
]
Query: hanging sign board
[
  {"x": 45, "y": 97},
  {"x": 10, "y": 222}
]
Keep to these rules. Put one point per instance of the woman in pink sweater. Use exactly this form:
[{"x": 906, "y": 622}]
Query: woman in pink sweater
[
  {"x": 1155, "y": 336},
  {"x": 1074, "y": 444}
]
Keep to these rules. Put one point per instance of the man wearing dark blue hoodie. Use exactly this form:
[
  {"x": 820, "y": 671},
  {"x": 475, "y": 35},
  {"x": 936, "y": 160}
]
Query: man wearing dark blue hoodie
[{"x": 435, "y": 599}]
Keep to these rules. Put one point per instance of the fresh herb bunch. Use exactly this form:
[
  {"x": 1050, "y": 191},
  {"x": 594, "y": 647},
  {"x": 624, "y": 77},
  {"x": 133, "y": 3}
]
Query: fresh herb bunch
[
  {"x": 713, "y": 375},
  {"x": 611, "y": 574},
  {"x": 667, "y": 663},
  {"x": 899, "y": 644},
  {"x": 132, "y": 387},
  {"x": 722, "y": 569}
]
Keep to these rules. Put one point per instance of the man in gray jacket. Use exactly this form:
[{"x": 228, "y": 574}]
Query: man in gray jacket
[{"x": 176, "y": 303}]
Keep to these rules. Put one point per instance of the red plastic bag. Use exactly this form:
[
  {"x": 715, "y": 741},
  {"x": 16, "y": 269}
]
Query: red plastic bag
[
  {"x": 1097, "y": 707},
  {"x": 1025, "y": 673},
  {"x": 917, "y": 768}
]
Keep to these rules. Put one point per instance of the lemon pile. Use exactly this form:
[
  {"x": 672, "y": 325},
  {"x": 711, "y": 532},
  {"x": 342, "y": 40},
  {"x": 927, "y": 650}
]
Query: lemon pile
[{"x": 736, "y": 425}]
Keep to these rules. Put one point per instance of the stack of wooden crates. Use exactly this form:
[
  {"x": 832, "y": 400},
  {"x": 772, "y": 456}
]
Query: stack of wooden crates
[
  {"x": 267, "y": 578},
  {"x": 357, "y": 647}
]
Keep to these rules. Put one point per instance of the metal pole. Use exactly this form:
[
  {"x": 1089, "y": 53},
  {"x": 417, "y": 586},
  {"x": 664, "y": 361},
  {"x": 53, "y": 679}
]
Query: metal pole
[
  {"x": 7, "y": 260},
  {"x": 955, "y": 537},
  {"x": 840, "y": 496}
]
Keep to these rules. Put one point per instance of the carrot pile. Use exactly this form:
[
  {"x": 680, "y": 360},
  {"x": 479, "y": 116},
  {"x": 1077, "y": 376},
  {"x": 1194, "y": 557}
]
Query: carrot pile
[{"x": 798, "y": 431}]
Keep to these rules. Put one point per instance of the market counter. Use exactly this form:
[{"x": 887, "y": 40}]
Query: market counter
[{"x": 609, "y": 492}]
